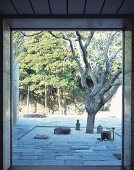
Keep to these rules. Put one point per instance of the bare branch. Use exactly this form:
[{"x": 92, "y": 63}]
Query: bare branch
[
  {"x": 30, "y": 35},
  {"x": 84, "y": 83},
  {"x": 108, "y": 64},
  {"x": 111, "y": 82},
  {"x": 96, "y": 90},
  {"x": 89, "y": 38},
  {"x": 111, "y": 93},
  {"x": 83, "y": 50},
  {"x": 63, "y": 36},
  {"x": 105, "y": 98},
  {"x": 112, "y": 57},
  {"x": 14, "y": 32},
  {"x": 117, "y": 84},
  {"x": 109, "y": 43},
  {"x": 114, "y": 77},
  {"x": 83, "y": 72},
  {"x": 87, "y": 64}
]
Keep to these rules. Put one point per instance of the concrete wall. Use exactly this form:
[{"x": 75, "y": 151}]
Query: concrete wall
[
  {"x": 6, "y": 97},
  {"x": 1, "y": 91},
  {"x": 132, "y": 103},
  {"x": 15, "y": 83},
  {"x": 129, "y": 100}
]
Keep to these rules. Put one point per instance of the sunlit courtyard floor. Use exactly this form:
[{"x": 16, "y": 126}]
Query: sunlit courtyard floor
[{"x": 77, "y": 148}]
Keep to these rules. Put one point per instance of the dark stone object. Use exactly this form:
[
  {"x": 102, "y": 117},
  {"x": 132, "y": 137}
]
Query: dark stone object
[
  {"x": 41, "y": 137},
  {"x": 99, "y": 129},
  {"x": 117, "y": 156},
  {"x": 106, "y": 135},
  {"x": 113, "y": 128},
  {"x": 62, "y": 130},
  {"x": 99, "y": 139},
  {"x": 77, "y": 125}
]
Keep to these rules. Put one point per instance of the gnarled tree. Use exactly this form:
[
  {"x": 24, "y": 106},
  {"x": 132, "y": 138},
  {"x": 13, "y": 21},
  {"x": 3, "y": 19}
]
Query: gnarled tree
[{"x": 100, "y": 72}]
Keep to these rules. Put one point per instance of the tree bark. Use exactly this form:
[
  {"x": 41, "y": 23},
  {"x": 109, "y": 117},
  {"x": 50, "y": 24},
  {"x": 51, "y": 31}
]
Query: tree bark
[
  {"x": 45, "y": 98},
  {"x": 90, "y": 123},
  {"x": 35, "y": 106},
  {"x": 27, "y": 108},
  {"x": 59, "y": 101}
]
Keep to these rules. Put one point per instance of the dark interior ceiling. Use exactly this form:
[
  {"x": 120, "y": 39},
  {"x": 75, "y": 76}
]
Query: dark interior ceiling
[
  {"x": 66, "y": 7},
  {"x": 16, "y": 9}
]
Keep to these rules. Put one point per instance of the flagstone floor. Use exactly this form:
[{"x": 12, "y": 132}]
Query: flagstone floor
[{"x": 77, "y": 148}]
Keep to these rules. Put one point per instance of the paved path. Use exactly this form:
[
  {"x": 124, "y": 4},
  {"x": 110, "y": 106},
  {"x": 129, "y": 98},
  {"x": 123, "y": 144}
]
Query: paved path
[{"x": 77, "y": 148}]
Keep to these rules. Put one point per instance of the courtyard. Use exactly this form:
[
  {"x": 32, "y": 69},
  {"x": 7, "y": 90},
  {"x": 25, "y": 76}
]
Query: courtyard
[{"x": 76, "y": 148}]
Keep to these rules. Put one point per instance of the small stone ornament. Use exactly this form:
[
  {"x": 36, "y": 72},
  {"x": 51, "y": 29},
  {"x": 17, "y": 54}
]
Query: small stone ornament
[
  {"x": 99, "y": 129},
  {"x": 77, "y": 125}
]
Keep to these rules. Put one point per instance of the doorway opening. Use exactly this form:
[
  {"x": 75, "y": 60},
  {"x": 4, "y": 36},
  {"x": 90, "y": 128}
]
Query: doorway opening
[{"x": 67, "y": 97}]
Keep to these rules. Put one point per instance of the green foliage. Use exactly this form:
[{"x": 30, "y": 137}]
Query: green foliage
[{"x": 46, "y": 60}]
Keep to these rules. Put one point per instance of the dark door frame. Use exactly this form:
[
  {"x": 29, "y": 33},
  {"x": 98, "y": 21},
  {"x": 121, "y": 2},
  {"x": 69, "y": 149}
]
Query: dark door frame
[{"x": 1, "y": 75}]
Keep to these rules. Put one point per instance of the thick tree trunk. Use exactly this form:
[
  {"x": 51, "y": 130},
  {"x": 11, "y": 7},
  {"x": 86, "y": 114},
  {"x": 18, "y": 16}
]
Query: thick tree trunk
[
  {"x": 90, "y": 104},
  {"x": 90, "y": 123}
]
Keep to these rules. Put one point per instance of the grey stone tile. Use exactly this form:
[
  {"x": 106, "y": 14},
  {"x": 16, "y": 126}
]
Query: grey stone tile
[
  {"x": 68, "y": 157},
  {"x": 32, "y": 154},
  {"x": 60, "y": 147},
  {"x": 99, "y": 157},
  {"x": 79, "y": 147},
  {"x": 38, "y": 162},
  {"x": 52, "y": 157},
  {"x": 73, "y": 162},
  {"x": 47, "y": 151},
  {"x": 16, "y": 157},
  {"x": 84, "y": 151},
  {"x": 29, "y": 157},
  {"x": 105, "y": 163},
  {"x": 62, "y": 151}
]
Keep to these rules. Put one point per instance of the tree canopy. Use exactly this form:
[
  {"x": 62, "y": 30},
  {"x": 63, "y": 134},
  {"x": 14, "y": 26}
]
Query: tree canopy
[{"x": 62, "y": 60}]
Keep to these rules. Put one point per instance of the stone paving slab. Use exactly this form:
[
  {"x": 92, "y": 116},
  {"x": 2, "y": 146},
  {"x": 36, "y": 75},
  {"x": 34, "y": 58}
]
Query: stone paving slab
[
  {"x": 48, "y": 157},
  {"x": 111, "y": 151},
  {"x": 67, "y": 144},
  {"x": 38, "y": 162},
  {"x": 29, "y": 157},
  {"x": 83, "y": 151},
  {"x": 99, "y": 158},
  {"x": 73, "y": 162},
  {"x": 61, "y": 147},
  {"x": 28, "y": 154},
  {"x": 27, "y": 150},
  {"x": 105, "y": 163},
  {"x": 80, "y": 147},
  {"x": 68, "y": 158}
]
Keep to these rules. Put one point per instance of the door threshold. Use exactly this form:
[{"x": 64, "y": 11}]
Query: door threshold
[{"x": 64, "y": 167}]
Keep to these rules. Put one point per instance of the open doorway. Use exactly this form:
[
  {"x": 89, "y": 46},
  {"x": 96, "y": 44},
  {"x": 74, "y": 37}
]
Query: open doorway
[{"x": 51, "y": 81}]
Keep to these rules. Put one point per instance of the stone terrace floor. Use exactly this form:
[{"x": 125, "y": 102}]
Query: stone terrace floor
[{"x": 77, "y": 148}]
